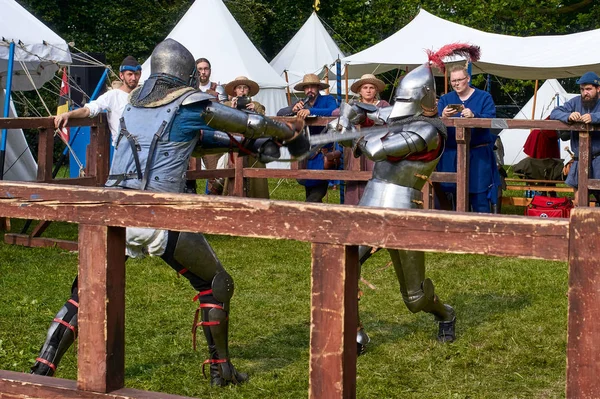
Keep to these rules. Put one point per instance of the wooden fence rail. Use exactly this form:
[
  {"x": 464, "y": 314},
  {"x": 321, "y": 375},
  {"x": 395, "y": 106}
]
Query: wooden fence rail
[{"x": 102, "y": 215}]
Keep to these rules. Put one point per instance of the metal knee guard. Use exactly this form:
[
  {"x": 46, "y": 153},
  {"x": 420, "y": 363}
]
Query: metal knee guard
[{"x": 60, "y": 337}]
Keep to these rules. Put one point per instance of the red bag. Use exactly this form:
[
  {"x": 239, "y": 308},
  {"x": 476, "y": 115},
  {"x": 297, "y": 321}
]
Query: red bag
[{"x": 549, "y": 207}]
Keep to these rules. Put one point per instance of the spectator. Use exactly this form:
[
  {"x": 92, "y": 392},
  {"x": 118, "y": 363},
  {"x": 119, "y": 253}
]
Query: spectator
[
  {"x": 241, "y": 90},
  {"x": 584, "y": 108},
  {"x": 319, "y": 105},
  {"x": 469, "y": 102},
  {"x": 368, "y": 88}
]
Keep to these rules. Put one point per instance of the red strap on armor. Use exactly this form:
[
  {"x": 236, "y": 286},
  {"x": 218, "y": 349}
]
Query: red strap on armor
[
  {"x": 47, "y": 363},
  {"x": 203, "y": 323},
  {"x": 184, "y": 270},
  {"x": 70, "y": 327},
  {"x": 212, "y": 361},
  {"x": 72, "y": 301},
  {"x": 202, "y": 293}
]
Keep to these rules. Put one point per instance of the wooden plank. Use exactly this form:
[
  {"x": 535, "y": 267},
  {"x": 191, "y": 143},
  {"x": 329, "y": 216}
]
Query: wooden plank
[
  {"x": 15, "y": 385},
  {"x": 540, "y": 188},
  {"x": 39, "y": 242},
  {"x": 210, "y": 173},
  {"x": 88, "y": 181},
  {"x": 334, "y": 319},
  {"x": 443, "y": 177},
  {"x": 516, "y": 201},
  {"x": 583, "y": 351},
  {"x": 101, "y": 349},
  {"x": 238, "y": 180},
  {"x": 45, "y": 154},
  {"x": 347, "y": 175},
  {"x": 425, "y": 230}
]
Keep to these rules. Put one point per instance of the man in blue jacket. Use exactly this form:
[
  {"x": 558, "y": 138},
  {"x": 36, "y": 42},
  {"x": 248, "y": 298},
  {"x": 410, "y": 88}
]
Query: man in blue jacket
[
  {"x": 314, "y": 103},
  {"x": 584, "y": 109}
]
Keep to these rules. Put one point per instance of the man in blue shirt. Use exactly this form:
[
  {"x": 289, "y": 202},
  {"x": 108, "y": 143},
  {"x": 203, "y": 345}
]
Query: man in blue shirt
[
  {"x": 316, "y": 104},
  {"x": 584, "y": 109},
  {"x": 469, "y": 102}
]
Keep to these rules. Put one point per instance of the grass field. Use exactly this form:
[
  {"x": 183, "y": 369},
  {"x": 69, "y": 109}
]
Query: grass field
[{"x": 512, "y": 319}]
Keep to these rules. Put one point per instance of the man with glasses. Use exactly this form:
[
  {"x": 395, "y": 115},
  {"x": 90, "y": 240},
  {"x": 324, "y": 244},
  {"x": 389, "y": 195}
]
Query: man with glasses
[
  {"x": 112, "y": 102},
  {"x": 467, "y": 101}
]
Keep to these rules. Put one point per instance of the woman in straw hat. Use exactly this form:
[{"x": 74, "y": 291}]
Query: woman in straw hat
[
  {"x": 368, "y": 88},
  {"x": 241, "y": 90}
]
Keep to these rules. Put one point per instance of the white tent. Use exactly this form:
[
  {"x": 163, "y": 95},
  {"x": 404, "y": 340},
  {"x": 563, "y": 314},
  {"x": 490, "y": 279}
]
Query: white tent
[
  {"x": 549, "y": 95},
  {"x": 38, "y": 50},
  {"x": 209, "y": 30},
  {"x": 534, "y": 57},
  {"x": 311, "y": 50}
]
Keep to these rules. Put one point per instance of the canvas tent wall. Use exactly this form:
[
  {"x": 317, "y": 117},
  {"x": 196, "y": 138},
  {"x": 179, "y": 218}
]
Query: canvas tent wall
[
  {"x": 209, "y": 30},
  {"x": 535, "y": 57},
  {"x": 549, "y": 95},
  {"x": 311, "y": 50},
  {"x": 38, "y": 51}
]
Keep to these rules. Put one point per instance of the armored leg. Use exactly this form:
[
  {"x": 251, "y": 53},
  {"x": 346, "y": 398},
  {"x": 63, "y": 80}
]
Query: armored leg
[
  {"x": 60, "y": 337},
  {"x": 191, "y": 256},
  {"x": 418, "y": 292},
  {"x": 362, "y": 338}
]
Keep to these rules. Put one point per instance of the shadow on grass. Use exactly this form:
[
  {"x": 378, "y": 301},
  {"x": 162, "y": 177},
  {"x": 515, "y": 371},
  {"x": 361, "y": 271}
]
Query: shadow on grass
[{"x": 472, "y": 312}]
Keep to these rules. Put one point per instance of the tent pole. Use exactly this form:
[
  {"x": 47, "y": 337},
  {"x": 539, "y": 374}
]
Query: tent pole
[
  {"x": 9, "y": 74},
  {"x": 287, "y": 81},
  {"x": 326, "y": 78},
  {"x": 338, "y": 80},
  {"x": 535, "y": 91},
  {"x": 445, "y": 81},
  {"x": 346, "y": 77}
]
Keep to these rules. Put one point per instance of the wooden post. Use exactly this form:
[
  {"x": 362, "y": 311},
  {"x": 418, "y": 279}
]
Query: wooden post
[
  {"x": 289, "y": 95},
  {"x": 535, "y": 92},
  {"x": 445, "y": 80},
  {"x": 334, "y": 320},
  {"x": 98, "y": 163},
  {"x": 45, "y": 153},
  {"x": 101, "y": 365},
  {"x": 326, "y": 78},
  {"x": 346, "y": 79},
  {"x": 238, "y": 180},
  {"x": 463, "y": 136},
  {"x": 583, "y": 169},
  {"x": 583, "y": 351}
]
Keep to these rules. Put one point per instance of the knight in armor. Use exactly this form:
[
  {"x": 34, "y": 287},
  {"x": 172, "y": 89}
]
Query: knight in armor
[
  {"x": 405, "y": 151},
  {"x": 165, "y": 121}
]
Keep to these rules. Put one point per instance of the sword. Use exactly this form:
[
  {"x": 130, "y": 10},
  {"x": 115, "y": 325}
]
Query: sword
[{"x": 332, "y": 137}]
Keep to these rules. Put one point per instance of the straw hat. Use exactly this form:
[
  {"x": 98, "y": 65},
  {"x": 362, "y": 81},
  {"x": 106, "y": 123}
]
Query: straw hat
[
  {"x": 367, "y": 78},
  {"x": 310, "y": 79},
  {"x": 242, "y": 80}
]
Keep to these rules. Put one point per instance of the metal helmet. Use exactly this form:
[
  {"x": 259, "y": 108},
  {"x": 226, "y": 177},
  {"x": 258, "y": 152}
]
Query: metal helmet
[
  {"x": 171, "y": 60},
  {"x": 416, "y": 94}
]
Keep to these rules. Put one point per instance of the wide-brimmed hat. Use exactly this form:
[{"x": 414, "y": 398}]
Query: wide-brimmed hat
[
  {"x": 242, "y": 80},
  {"x": 310, "y": 79},
  {"x": 367, "y": 78}
]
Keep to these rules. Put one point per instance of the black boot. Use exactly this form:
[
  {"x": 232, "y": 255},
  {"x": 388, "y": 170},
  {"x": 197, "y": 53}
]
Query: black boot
[
  {"x": 222, "y": 373},
  {"x": 446, "y": 331}
]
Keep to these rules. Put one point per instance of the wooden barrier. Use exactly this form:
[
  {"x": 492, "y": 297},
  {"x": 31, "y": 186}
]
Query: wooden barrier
[{"x": 333, "y": 271}]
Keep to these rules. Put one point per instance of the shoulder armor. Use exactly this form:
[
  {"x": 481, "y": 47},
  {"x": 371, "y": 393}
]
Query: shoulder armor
[{"x": 196, "y": 97}]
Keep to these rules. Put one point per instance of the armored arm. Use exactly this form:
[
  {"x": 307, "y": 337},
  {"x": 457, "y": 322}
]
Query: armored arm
[
  {"x": 251, "y": 125},
  {"x": 216, "y": 142},
  {"x": 398, "y": 141}
]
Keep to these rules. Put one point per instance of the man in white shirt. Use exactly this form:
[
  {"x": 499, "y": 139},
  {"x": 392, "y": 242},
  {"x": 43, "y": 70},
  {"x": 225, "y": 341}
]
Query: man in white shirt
[{"x": 112, "y": 102}]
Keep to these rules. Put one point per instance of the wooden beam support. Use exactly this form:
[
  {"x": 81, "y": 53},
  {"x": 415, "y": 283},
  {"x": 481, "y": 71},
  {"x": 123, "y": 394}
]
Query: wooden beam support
[
  {"x": 583, "y": 351},
  {"x": 101, "y": 350},
  {"x": 462, "y": 169},
  {"x": 334, "y": 320}
]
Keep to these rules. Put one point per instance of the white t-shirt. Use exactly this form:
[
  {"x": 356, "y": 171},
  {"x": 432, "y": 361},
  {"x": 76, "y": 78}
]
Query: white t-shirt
[{"x": 113, "y": 103}]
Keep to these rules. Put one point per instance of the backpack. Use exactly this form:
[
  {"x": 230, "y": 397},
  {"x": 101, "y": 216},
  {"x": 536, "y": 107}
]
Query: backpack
[{"x": 549, "y": 207}]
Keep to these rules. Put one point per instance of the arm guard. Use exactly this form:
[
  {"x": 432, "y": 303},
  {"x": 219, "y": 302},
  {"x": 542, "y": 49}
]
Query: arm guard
[{"x": 383, "y": 143}]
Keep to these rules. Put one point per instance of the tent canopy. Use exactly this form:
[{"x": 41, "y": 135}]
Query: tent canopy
[
  {"x": 37, "y": 48},
  {"x": 534, "y": 57},
  {"x": 311, "y": 50},
  {"x": 209, "y": 30},
  {"x": 549, "y": 95}
]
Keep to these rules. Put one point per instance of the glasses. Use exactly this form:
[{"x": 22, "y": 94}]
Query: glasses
[{"x": 456, "y": 81}]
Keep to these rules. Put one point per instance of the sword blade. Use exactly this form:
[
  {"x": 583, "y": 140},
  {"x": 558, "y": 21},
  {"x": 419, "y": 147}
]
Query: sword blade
[{"x": 332, "y": 137}]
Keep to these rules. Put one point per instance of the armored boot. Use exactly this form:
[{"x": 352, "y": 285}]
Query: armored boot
[
  {"x": 215, "y": 325},
  {"x": 446, "y": 330},
  {"x": 61, "y": 335}
]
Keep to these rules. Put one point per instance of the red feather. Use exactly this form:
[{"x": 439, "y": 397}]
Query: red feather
[{"x": 469, "y": 51}]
